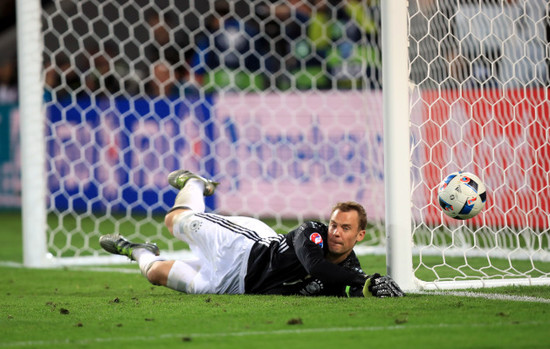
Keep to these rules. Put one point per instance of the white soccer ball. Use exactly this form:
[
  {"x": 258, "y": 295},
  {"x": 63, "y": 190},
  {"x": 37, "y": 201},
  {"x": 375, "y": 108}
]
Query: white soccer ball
[{"x": 462, "y": 195}]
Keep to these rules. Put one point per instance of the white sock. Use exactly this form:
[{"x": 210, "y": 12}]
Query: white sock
[
  {"x": 191, "y": 195},
  {"x": 145, "y": 259},
  {"x": 181, "y": 277}
]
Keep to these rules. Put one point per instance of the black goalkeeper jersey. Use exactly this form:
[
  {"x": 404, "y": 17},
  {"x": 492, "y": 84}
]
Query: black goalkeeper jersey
[{"x": 295, "y": 264}]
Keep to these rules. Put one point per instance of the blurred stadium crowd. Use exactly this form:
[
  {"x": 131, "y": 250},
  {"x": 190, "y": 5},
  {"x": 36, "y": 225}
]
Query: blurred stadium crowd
[
  {"x": 153, "y": 48},
  {"x": 8, "y": 58},
  {"x": 220, "y": 45}
]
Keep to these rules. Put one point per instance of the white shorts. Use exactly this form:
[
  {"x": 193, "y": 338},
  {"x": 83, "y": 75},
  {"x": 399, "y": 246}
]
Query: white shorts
[{"x": 222, "y": 246}]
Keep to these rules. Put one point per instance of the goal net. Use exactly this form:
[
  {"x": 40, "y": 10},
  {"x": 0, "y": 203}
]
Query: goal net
[
  {"x": 281, "y": 102},
  {"x": 479, "y": 103}
]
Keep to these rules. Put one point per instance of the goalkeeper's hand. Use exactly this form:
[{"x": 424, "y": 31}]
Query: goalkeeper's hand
[{"x": 381, "y": 286}]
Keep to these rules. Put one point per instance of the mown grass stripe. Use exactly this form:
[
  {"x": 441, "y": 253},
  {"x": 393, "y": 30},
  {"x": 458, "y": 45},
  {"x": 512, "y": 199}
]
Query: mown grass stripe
[
  {"x": 492, "y": 296},
  {"x": 263, "y": 333}
]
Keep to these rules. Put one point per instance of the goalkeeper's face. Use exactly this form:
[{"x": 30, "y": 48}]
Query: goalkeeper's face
[{"x": 343, "y": 234}]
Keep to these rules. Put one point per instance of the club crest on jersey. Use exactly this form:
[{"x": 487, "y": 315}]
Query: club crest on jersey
[{"x": 317, "y": 239}]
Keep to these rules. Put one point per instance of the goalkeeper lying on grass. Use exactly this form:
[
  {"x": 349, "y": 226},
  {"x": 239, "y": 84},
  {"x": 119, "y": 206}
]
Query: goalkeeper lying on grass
[{"x": 236, "y": 255}]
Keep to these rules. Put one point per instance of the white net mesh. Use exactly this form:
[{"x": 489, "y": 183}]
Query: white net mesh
[
  {"x": 281, "y": 102},
  {"x": 480, "y": 104},
  {"x": 136, "y": 90}
]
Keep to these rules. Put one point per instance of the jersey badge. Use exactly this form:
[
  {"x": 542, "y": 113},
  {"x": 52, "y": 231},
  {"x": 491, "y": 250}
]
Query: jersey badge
[{"x": 317, "y": 239}]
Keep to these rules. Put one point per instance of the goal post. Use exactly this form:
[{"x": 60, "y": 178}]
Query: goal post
[
  {"x": 292, "y": 106},
  {"x": 396, "y": 142},
  {"x": 33, "y": 152}
]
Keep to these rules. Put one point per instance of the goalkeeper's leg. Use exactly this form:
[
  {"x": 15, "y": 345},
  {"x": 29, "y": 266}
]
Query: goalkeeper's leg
[
  {"x": 192, "y": 188},
  {"x": 146, "y": 254},
  {"x": 177, "y": 275}
]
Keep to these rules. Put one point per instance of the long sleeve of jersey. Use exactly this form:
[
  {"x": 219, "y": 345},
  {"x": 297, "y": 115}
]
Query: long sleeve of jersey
[{"x": 310, "y": 247}]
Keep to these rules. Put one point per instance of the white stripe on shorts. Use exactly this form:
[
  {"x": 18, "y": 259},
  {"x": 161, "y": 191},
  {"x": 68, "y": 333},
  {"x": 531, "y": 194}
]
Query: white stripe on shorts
[{"x": 249, "y": 233}]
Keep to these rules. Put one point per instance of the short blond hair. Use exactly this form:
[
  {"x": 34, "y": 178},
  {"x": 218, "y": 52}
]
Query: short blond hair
[{"x": 347, "y": 206}]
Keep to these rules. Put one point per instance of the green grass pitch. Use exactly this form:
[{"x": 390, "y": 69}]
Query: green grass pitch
[{"x": 86, "y": 308}]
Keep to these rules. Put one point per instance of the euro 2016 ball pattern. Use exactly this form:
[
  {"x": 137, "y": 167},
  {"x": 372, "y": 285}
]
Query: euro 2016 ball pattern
[{"x": 462, "y": 195}]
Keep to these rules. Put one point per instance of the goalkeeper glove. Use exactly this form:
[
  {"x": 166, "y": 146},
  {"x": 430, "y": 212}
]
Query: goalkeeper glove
[
  {"x": 381, "y": 286},
  {"x": 312, "y": 288}
]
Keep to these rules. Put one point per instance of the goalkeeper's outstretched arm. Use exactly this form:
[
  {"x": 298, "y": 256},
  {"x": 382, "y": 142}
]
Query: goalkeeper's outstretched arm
[{"x": 373, "y": 286}]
